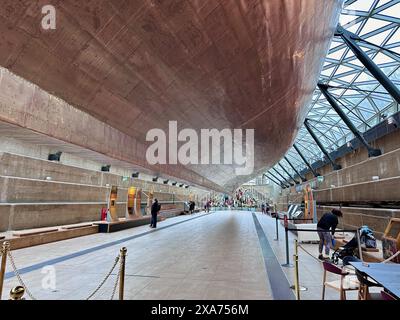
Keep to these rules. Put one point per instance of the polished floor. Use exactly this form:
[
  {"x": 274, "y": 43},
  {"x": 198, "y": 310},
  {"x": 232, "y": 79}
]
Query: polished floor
[{"x": 221, "y": 255}]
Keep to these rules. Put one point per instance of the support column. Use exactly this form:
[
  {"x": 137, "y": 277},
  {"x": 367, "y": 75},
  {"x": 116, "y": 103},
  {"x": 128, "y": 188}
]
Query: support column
[
  {"x": 293, "y": 167},
  {"x": 283, "y": 168},
  {"x": 372, "y": 152},
  {"x": 305, "y": 161},
  {"x": 349, "y": 38},
  {"x": 320, "y": 145}
]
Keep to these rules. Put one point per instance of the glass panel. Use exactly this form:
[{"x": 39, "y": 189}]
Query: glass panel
[{"x": 361, "y": 97}]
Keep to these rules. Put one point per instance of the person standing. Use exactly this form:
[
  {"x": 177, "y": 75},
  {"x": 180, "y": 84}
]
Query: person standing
[
  {"x": 155, "y": 208},
  {"x": 267, "y": 208},
  {"x": 208, "y": 205},
  {"x": 191, "y": 207},
  {"x": 326, "y": 229}
]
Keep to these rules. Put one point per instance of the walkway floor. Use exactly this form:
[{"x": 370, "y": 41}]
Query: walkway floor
[{"x": 221, "y": 255}]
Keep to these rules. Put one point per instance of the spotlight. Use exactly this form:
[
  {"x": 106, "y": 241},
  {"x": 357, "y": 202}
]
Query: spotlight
[
  {"x": 106, "y": 168},
  {"x": 165, "y": 181},
  {"x": 135, "y": 175},
  {"x": 392, "y": 121},
  {"x": 155, "y": 179},
  {"x": 349, "y": 145},
  {"x": 174, "y": 183},
  {"x": 55, "y": 156}
]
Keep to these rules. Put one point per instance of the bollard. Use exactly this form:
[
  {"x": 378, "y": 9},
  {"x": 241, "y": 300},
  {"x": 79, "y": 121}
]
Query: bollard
[
  {"x": 122, "y": 273},
  {"x": 276, "y": 227},
  {"x": 4, "y": 251},
  {"x": 17, "y": 293},
  {"x": 287, "y": 264}
]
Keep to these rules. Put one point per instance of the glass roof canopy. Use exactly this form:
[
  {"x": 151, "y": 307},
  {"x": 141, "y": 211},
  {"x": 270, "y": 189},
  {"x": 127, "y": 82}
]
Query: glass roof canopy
[{"x": 361, "y": 97}]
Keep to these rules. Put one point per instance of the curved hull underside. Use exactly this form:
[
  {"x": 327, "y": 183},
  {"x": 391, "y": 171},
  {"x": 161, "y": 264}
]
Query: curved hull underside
[{"x": 136, "y": 65}]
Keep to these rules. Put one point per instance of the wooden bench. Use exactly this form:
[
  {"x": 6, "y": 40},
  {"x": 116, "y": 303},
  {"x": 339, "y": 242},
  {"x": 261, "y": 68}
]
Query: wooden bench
[
  {"x": 76, "y": 226},
  {"x": 31, "y": 232},
  {"x": 112, "y": 226}
]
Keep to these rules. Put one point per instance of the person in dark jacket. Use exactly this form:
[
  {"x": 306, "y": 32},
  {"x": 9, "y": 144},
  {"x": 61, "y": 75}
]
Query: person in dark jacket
[
  {"x": 326, "y": 229},
  {"x": 155, "y": 208},
  {"x": 191, "y": 207}
]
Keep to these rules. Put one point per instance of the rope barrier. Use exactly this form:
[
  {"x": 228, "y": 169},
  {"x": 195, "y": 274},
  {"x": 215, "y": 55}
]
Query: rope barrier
[
  {"x": 287, "y": 264},
  {"x": 104, "y": 280},
  {"x": 16, "y": 272},
  {"x": 291, "y": 219},
  {"x": 311, "y": 255},
  {"x": 315, "y": 230},
  {"x": 17, "y": 292},
  {"x": 116, "y": 282}
]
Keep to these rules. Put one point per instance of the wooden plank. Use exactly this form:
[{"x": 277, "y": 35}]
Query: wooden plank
[
  {"x": 38, "y": 239},
  {"x": 31, "y": 232},
  {"x": 370, "y": 249},
  {"x": 76, "y": 226}
]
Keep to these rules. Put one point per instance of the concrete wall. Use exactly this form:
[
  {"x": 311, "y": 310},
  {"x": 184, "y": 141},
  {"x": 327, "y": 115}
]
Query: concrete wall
[
  {"x": 388, "y": 143},
  {"x": 382, "y": 167},
  {"x": 27, "y": 167},
  {"x": 386, "y": 190},
  {"x": 370, "y": 180},
  {"x": 73, "y": 195},
  {"x": 376, "y": 219},
  {"x": 26, "y": 190},
  {"x": 356, "y": 185}
]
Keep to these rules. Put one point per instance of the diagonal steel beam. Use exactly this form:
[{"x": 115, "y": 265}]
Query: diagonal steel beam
[
  {"x": 287, "y": 172},
  {"x": 305, "y": 160},
  {"x": 283, "y": 177},
  {"x": 372, "y": 152},
  {"x": 321, "y": 146},
  {"x": 350, "y": 39},
  {"x": 294, "y": 169}
]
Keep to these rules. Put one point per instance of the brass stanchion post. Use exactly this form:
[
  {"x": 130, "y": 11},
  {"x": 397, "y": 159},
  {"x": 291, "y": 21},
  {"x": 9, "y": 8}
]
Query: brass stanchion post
[
  {"x": 4, "y": 252},
  {"x": 122, "y": 273},
  {"x": 17, "y": 293},
  {"x": 296, "y": 270},
  {"x": 296, "y": 285}
]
